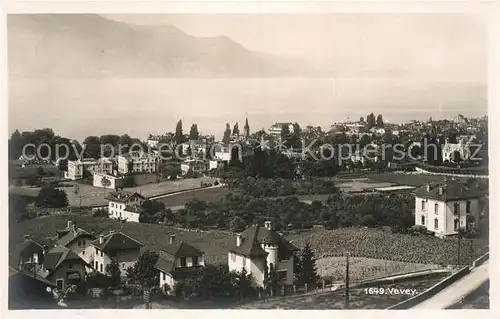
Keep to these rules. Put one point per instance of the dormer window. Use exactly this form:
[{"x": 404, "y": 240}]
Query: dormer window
[{"x": 183, "y": 261}]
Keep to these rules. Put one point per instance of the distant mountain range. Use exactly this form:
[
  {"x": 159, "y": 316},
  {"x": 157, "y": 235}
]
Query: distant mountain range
[{"x": 88, "y": 45}]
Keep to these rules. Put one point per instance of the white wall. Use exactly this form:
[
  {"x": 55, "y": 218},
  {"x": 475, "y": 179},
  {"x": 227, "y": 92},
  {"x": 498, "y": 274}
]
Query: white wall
[{"x": 445, "y": 214}]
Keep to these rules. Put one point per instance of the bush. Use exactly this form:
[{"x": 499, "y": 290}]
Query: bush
[{"x": 100, "y": 213}]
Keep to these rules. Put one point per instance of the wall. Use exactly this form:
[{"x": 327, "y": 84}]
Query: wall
[
  {"x": 288, "y": 265},
  {"x": 165, "y": 278},
  {"x": 82, "y": 250},
  {"x": 62, "y": 271},
  {"x": 100, "y": 258}
]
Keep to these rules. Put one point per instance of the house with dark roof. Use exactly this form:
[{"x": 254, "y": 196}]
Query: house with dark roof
[
  {"x": 258, "y": 247},
  {"x": 27, "y": 255},
  {"x": 63, "y": 267},
  {"x": 447, "y": 206},
  {"x": 120, "y": 205},
  {"x": 29, "y": 291},
  {"x": 76, "y": 239},
  {"x": 115, "y": 246},
  {"x": 178, "y": 260}
]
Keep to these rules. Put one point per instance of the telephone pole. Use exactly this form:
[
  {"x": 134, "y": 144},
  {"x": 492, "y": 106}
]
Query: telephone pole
[{"x": 347, "y": 280}]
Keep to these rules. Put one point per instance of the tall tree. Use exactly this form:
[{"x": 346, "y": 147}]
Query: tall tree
[
  {"x": 179, "y": 136},
  {"x": 193, "y": 132},
  {"x": 227, "y": 134},
  {"x": 370, "y": 121},
  {"x": 50, "y": 197},
  {"x": 114, "y": 273},
  {"x": 144, "y": 271},
  {"x": 236, "y": 130},
  {"x": 306, "y": 271},
  {"x": 380, "y": 121}
]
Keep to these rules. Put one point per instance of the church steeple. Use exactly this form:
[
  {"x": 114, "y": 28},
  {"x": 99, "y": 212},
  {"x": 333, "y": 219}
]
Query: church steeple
[{"x": 246, "y": 129}]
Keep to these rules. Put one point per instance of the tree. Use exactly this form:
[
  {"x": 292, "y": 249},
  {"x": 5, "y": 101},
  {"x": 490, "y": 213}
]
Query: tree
[
  {"x": 285, "y": 134},
  {"x": 361, "y": 119},
  {"x": 193, "y": 132},
  {"x": 306, "y": 272},
  {"x": 370, "y": 121},
  {"x": 380, "y": 121},
  {"x": 113, "y": 271},
  {"x": 63, "y": 165},
  {"x": 50, "y": 197},
  {"x": 105, "y": 182},
  {"x": 144, "y": 271},
  {"x": 227, "y": 134},
  {"x": 236, "y": 130},
  {"x": 130, "y": 166},
  {"x": 92, "y": 147},
  {"x": 179, "y": 135}
]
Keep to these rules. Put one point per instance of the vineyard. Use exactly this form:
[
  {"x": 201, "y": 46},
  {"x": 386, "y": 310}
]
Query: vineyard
[
  {"x": 380, "y": 244},
  {"x": 361, "y": 242}
]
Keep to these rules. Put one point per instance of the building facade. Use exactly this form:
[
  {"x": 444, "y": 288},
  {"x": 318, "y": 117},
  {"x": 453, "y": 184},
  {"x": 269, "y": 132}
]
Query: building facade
[
  {"x": 77, "y": 168},
  {"x": 444, "y": 208},
  {"x": 107, "y": 181},
  {"x": 120, "y": 203},
  {"x": 115, "y": 246},
  {"x": 259, "y": 247},
  {"x": 137, "y": 162}
]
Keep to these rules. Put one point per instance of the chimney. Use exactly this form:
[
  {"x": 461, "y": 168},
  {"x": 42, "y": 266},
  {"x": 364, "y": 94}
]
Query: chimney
[
  {"x": 26, "y": 237},
  {"x": 70, "y": 225},
  {"x": 172, "y": 239},
  {"x": 101, "y": 239},
  {"x": 238, "y": 240},
  {"x": 428, "y": 187}
]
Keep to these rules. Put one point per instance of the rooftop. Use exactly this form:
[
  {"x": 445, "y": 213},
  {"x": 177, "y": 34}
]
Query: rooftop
[
  {"x": 453, "y": 189},
  {"x": 117, "y": 241},
  {"x": 122, "y": 196},
  {"x": 253, "y": 237},
  {"x": 55, "y": 257}
]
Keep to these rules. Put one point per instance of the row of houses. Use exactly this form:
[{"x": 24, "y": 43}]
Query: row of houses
[
  {"x": 77, "y": 252},
  {"x": 136, "y": 162}
]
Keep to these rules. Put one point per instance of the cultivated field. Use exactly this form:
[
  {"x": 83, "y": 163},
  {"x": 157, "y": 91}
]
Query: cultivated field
[
  {"x": 368, "y": 243},
  {"x": 383, "y": 244},
  {"x": 361, "y": 268},
  {"x": 358, "y": 298},
  {"x": 94, "y": 196}
]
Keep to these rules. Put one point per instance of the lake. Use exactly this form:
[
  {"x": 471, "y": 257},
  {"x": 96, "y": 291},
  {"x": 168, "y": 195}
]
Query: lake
[{"x": 76, "y": 108}]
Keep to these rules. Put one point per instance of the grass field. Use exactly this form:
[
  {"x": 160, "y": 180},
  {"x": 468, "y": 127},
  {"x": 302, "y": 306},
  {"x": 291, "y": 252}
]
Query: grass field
[
  {"x": 416, "y": 180},
  {"x": 359, "y": 299},
  {"x": 208, "y": 195},
  {"x": 368, "y": 243},
  {"x": 95, "y": 196}
]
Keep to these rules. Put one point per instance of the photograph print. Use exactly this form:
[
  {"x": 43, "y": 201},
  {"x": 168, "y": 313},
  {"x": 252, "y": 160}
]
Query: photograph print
[{"x": 248, "y": 161}]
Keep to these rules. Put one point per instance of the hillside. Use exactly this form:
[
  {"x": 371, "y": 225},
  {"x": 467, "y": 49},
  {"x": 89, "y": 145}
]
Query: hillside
[{"x": 88, "y": 45}]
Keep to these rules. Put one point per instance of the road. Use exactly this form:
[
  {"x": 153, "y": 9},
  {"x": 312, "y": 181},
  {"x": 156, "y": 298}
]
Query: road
[{"x": 454, "y": 293}]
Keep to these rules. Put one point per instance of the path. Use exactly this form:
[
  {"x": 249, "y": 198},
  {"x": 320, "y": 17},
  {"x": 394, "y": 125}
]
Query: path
[{"x": 456, "y": 291}]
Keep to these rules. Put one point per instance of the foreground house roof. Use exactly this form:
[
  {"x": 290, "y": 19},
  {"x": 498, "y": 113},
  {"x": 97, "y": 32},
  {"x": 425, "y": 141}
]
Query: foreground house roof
[
  {"x": 117, "y": 241},
  {"x": 255, "y": 236},
  {"x": 453, "y": 190},
  {"x": 19, "y": 249},
  {"x": 55, "y": 257},
  {"x": 166, "y": 258}
]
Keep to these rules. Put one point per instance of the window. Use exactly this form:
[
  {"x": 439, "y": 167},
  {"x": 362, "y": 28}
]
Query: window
[
  {"x": 436, "y": 208},
  {"x": 183, "y": 261},
  {"x": 423, "y": 220},
  {"x": 70, "y": 265},
  {"x": 164, "y": 276},
  {"x": 96, "y": 265},
  {"x": 467, "y": 207},
  {"x": 60, "y": 283},
  {"x": 195, "y": 261},
  {"x": 436, "y": 223},
  {"x": 100, "y": 267},
  {"x": 244, "y": 262},
  {"x": 455, "y": 224},
  {"x": 97, "y": 252},
  {"x": 102, "y": 254},
  {"x": 423, "y": 205},
  {"x": 233, "y": 257},
  {"x": 84, "y": 242},
  {"x": 83, "y": 252},
  {"x": 456, "y": 208}
]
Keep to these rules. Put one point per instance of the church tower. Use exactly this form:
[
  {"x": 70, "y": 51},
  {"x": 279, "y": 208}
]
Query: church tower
[{"x": 246, "y": 129}]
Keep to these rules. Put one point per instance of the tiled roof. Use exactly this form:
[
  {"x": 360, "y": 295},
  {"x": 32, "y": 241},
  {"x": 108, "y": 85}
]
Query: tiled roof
[
  {"x": 255, "y": 236},
  {"x": 117, "y": 241},
  {"x": 182, "y": 249},
  {"x": 55, "y": 257},
  {"x": 71, "y": 235},
  {"x": 453, "y": 190},
  {"x": 122, "y": 196},
  {"x": 19, "y": 249}
]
